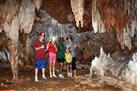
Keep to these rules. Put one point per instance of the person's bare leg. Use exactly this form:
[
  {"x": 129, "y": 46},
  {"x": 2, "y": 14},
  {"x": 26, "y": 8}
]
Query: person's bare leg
[
  {"x": 71, "y": 68},
  {"x": 36, "y": 74},
  {"x": 68, "y": 69},
  {"x": 50, "y": 68},
  {"x": 61, "y": 67},
  {"x": 43, "y": 73},
  {"x": 54, "y": 63},
  {"x": 74, "y": 73},
  {"x": 58, "y": 67}
]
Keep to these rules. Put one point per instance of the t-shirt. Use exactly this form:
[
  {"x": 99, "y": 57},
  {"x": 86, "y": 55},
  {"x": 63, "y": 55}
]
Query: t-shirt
[
  {"x": 68, "y": 57},
  {"x": 71, "y": 46},
  {"x": 61, "y": 50},
  {"x": 39, "y": 54},
  {"x": 51, "y": 47}
]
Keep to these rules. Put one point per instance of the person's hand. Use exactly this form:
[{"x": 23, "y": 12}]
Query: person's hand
[
  {"x": 46, "y": 50},
  {"x": 42, "y": 46},
  {"x": 75, "y": 45}
]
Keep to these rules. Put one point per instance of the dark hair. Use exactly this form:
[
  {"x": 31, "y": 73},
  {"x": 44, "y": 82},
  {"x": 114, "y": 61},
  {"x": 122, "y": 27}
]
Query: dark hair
[{"x": 69, "y": 37}]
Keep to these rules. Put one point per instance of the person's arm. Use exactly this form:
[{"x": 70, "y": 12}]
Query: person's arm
[
  {"x": 74, "y": 45},
  {"x": 65, "y": 56},
  {"x": 55, "y": 47},
  {"x": 37, "y": 47},
  {"x": 64, "y": 48},
  {"x": 47, "y": 47}
]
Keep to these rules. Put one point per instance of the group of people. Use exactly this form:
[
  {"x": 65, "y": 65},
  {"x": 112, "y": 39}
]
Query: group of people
[{"x": 61, "y": 52}]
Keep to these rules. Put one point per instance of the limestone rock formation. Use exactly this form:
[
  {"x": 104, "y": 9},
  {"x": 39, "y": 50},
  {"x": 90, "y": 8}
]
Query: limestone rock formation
[
  {"x": 16, "y": 16},
  {"x": 122, "y": 70},
  {"x": 78, "y": 11}
]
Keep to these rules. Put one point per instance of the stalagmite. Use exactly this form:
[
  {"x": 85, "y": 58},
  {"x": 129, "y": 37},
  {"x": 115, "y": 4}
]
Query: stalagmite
[
  {"x": 130, "y": 75},
  {"x": 78, "y": 11},
  {"x": 99, "y": 64},
  {"x": 123, "y": 70}
]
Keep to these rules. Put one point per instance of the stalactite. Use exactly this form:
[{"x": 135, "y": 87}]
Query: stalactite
[
  {"x": 133, "y": 28},
  {"x": 27, "y": 16},
  {"x": 127, "y": 37},
  {"x": 97, "y": 21},
  {"x": 78, "y": 11},
  {"x": 94, "y": 16},
  {"x": 38, "y": 4},
  {"x": 12, "y": 32},
  {"x": 17, "y": 17},
  {"x": 7, "y": 12},
  {"x": 9, "y": 9},
  {"x": 117, "y": 14}
]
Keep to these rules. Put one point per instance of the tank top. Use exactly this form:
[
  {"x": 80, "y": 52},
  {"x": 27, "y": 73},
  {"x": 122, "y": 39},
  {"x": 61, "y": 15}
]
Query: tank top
[{"x": 52, "y": 48}]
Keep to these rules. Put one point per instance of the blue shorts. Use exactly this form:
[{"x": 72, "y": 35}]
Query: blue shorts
[{"x": 40, "y": 63}]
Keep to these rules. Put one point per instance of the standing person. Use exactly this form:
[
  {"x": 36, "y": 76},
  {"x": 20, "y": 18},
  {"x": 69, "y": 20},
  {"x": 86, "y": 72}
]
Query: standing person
[
  {"x": 40, "y": 62},
  {"x": 61, "y": 55},
  {"x": 72, "y": 46},
  {"x": 52, "y": 49},
  {"x": 68, "y": 58}
]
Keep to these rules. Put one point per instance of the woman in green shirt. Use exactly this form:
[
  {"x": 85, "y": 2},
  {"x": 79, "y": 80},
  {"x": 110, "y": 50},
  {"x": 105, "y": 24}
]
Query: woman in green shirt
[{"x": 61, "y": 55}]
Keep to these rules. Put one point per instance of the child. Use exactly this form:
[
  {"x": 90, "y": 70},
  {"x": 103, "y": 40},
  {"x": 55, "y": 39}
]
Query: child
[
  {"x": 52, "y": 49},
  {"x": 68, "y": 58},
  {"x": 70, "y": 44}
]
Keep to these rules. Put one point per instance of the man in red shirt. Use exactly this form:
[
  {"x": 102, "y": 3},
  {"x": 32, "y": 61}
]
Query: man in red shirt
[{"x": 40, "y": 62}]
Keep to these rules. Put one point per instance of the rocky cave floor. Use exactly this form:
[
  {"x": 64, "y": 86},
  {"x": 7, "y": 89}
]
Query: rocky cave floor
[{"x": 27, "y": 83}]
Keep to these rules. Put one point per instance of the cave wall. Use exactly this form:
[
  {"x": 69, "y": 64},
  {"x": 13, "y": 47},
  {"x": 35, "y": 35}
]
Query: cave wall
[
  {"x": 62, "y": 17},
  {"x": 64, "y": 14},
  {"x": 61, "y": 8}
]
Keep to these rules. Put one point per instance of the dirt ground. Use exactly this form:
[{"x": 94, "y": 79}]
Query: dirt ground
[{"x": 27, "y": 83}]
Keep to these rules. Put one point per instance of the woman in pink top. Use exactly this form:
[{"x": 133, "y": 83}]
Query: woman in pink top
[{"x": 52, "y": 49}]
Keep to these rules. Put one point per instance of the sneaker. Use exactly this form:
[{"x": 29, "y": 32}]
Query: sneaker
[
  {"x": 74, "y": 73},
  {"x": 44, "y": 77},
  {"x": 61, "y": 76},
  {"x": 54, "y": 75},
  {"x": 36, "y": 79},
  {"x": 51, "y": 75},
  {"x": 70, "y": 74}
]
